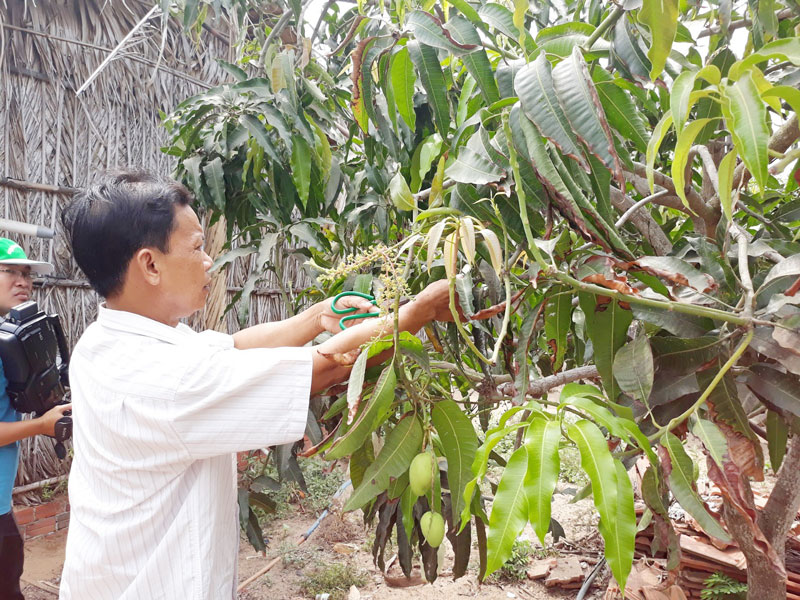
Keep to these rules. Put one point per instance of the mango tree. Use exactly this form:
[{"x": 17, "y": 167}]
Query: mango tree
[{"x": 608, "y": 188}]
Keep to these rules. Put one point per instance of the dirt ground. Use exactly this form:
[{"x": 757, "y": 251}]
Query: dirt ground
[{"x": 339, "y": 534}]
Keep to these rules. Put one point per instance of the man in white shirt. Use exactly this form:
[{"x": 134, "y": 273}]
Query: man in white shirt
[{"x": 159, "y": 409}]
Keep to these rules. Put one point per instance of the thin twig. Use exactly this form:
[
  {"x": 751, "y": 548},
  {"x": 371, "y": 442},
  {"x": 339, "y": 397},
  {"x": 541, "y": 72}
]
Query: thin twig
[{"x": 629, "y": 213}]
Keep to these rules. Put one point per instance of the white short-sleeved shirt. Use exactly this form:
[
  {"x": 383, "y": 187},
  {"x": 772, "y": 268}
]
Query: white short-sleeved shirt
[{"x": 158, "y": 412}]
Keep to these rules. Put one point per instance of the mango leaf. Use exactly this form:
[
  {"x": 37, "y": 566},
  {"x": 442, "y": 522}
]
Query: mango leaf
[
  {"x": 498, "y": 16},
  {"x": 681, "y": 97},
  {"x": 789, "y": 94},
  {"x": 682, "y": 146},
  {"x": 535, "y": 89},
  {"x": 622, "y": 530},
  {"x": 619, "y": 108},
  {"x": 509, "y": 510},
  {"x": 422, "y": 160},
  {"x": 633, "y": 368},
  {"x": 402, "y": 444},
  {"x": 557, "y": 323},
  {"x": 401, "y": 195},
  {"x": 607, "y": 326},
  {"x": 301, "y": 167},
  {"x": 459, "y": 443},
  {"x": 680, "y": 472},
  {"x": 578, "y": 97},
  {"x": 678, "y": 324},
  {"x": 787, "y": 268},
  {"x": 661, "y": 18},
  {"x": 618, "y": 529},
  {"x": 473, "y": 168},
  {"x": 659, "y": 131},
  {"x": 561, "y": 40},
  {"x": 714, "y": 441},
  {"x": 476, "y": 61},
  {"x": 428, "y": 29},
  {"x": 746, "y": 114},
  {"x": 403, "y": 77},
  {"x": 787, "y": 49},
  {"x": 215, "y": 179},
  {"x": 778, "y": 390},
  {"x": 373, "y": 414},
  {"x": 543, "y": 467},
  {"x": 355, "y": 384},
  {"x": 677, "y": 357},
  {"x": 765, "y": 342},
  {"x": 777, "y": 436},
  {"x": 427, "y": 63},
  {"x": 628, "y": 54}
]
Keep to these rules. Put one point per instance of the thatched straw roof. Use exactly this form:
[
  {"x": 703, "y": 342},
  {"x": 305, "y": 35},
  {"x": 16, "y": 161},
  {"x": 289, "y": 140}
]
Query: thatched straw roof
[{"x": 52, "y": 141}]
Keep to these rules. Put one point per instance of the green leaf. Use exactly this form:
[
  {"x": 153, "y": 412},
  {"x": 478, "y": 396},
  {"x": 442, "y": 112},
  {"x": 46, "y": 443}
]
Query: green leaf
[
  {"x": 473, "y": 168},
  {"x": 301, "y": 167},
  {"x": 535, "y": 89},
  {"x": 257, "y": 129},
  {"x": 620, "y": 533},
  {"x": 427, "y": 63},
  {"x": 628, "y": 54},
  {"x": 459, "y": 443},
  {"x": 678, "y": 324},
  {"x": 403, "y": 77},
  {"x": 192, "y": 167},
  {"x": 777, "y": 436},
  {"x": 502, "y": 19},
  {"x": 787, "y": 49},
  {"x": 607, "y": 325},
  {"x": 544, "y": 465},
  {"x": 215, "y": 179},
  {"x": 578, "y": 97},
  {"x": 725, "y": 403},
  {"x": 633, "y": 368},
  {"x": 611, "y": 496},
  {"x": 355, "y": 385},
  {"x": 476, "y": 62},
  {"x": 561, "y": 40},
  {"x": 789, "y": 94},
  {"x": 429, "y": 30},
  {"x": 779, "y": 390},
  {"x": 659, "y": 131},
  {"x": 509, "y": 510},
  {"x": 424, "y": 155},
  {"x": 661, "y": 18},
  {"x": 727, "y": 166},
  {"x": 622, "y": 113},
  {"x": 557, "y": 323},
  {"x": 682, "y": 146},
  {"x": 400, "y": 193},
  {"x": 402, "y": 444},
  {"x": 712, "y": 438},
  {"x": 677, "y": 357},
  {"x": 681, "y": 483},
  {"x": 745, "y": 114},
  {"x": 370, "y": 417},
  {"x": 681, "y": 90}
]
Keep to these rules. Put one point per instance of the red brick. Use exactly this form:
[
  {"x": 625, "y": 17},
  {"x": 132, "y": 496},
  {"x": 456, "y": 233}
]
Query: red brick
[
  {"x": 51, "y": 509},
  {"x": 41, "y": 527},
  {"x": 24, "y": 515},
  {"x": 62, "y": 521}
]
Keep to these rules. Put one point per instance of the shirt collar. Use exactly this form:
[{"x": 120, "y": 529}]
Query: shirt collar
[{"x": 129, "y": 322}]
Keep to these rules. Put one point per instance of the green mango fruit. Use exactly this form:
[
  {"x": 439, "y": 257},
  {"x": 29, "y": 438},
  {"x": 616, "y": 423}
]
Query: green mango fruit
[
  {"x": 432, "y": 526},
  {"x": 420, "y": 473}
]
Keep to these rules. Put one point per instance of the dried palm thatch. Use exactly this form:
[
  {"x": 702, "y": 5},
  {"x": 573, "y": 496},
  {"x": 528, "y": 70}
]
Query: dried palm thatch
[{"x": 53, "y": 141}]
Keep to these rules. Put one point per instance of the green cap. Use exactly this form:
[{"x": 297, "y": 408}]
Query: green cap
[{"x": 12, "y": 254}]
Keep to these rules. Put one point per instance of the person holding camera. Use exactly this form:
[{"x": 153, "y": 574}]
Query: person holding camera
[
  {"x": 160, "y": 409},
  {"x": 16, "y": 285}
]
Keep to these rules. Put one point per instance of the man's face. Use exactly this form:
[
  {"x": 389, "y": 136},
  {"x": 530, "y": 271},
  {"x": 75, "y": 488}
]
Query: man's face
[
  {"x": 16, "y": 285},
  {"x": 184, "y": 269}
]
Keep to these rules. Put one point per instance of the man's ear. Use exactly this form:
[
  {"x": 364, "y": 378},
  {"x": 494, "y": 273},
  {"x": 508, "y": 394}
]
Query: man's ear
[{"x": 145, "y": 261}]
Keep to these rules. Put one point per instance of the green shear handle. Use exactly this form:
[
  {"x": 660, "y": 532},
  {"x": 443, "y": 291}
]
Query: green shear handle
[{"x": 350, "y": 309}]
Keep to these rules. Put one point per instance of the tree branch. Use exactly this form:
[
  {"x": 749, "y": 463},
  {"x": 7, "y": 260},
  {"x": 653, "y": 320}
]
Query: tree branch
[
  {"x": 779, "y": 142},
  {"x": 643, "y": 221},
  {"x": 716, "y": 30},
  {"x": 784, "y": 501}
]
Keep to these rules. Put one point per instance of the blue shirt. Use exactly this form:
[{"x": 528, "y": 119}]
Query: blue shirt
[{"x": 9, "y": 454}]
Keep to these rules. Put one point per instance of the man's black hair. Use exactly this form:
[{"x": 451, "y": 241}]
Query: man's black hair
[{"x": 110, "y": 220}]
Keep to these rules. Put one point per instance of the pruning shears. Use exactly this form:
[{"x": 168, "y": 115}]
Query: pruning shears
[{"x": 351, "y": 309}]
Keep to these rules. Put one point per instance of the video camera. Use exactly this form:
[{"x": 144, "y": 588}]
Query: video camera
[{"x": 31, "y": 343}]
